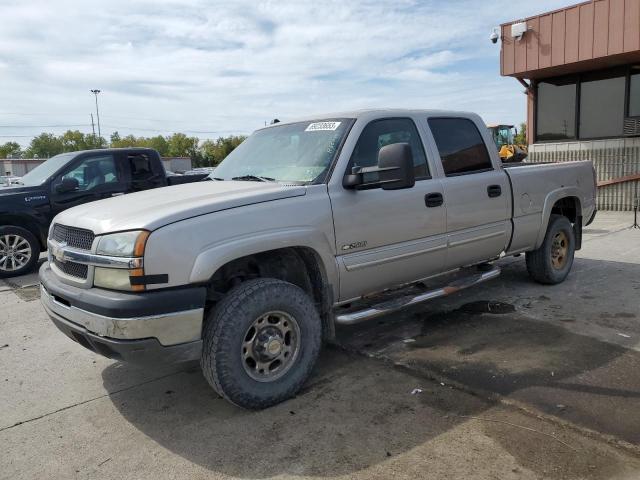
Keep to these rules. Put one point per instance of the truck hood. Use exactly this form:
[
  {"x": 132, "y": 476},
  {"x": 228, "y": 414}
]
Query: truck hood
[{"x": 156, "y": 208}]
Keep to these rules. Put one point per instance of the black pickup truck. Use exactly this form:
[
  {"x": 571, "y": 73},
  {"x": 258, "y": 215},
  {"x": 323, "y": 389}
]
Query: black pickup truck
[{"x": 64, "y": 181}]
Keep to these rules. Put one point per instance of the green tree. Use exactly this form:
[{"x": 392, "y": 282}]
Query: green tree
[
  {"x": 214, "y": 151},
  {"x": 158, "y": 143},
  {"x": 10, "y": 149},
  {"x": 44, "y": 145},
  {"x": 521, "y": 137},
  {"x": 124, "y": 142},
  {"x": 180, "y": 145},
  {"x": 73, "y": 140},
  {"x": 93, "y": 141}
]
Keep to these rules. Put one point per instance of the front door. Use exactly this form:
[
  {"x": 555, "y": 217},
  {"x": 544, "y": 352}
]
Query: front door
[
  {"x": 387, "y": 237},
  {"x": 98, "y": 177},
  {"x": 476, "y": 193}
]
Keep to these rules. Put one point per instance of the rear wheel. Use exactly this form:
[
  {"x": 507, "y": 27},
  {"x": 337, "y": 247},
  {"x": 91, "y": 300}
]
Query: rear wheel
[
  {"x": 261, "y": 343},
  {"x": 19, "y": 251},
  {"x": 551, "y": 263}
]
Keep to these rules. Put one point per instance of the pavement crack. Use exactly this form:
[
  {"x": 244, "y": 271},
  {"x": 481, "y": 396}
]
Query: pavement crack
[{"x": 108, "y": 394}]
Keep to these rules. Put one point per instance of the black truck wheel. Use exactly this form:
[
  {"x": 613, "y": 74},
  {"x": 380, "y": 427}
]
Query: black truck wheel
[
  {"x": 19, "y": 251},
  {"x": 551, "y": 263},
  {"x": 261, "y": 343}
]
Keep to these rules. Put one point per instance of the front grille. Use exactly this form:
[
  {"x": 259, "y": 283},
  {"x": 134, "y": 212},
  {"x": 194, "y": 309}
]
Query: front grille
[
  {"x": 72, "y": 269},
  {"x": 74, "y": 237}
]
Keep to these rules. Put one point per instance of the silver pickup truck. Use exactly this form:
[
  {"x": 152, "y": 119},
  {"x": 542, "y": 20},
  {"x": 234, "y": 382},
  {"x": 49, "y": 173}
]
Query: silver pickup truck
[{"x": 306, "y": 225}]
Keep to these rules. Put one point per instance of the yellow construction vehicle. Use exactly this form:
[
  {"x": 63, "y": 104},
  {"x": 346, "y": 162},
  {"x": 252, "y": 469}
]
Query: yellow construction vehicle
[{"x": 503, "y": 137}]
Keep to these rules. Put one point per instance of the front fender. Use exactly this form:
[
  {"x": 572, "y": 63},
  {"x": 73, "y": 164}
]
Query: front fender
[{"x": 217, "y": 255}]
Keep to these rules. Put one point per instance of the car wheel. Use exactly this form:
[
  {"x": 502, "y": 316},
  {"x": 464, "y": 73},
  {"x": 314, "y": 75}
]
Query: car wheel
[
  {"x": 551, "y": 263},
  {"x": 19, "y": 251},
  {"x": 261, "y": 342}
]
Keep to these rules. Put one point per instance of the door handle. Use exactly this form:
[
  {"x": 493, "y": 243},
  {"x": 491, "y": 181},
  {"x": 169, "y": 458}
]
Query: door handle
[
  {"x": 433, "y": 199},
  {"x": 494, "y": 191}
]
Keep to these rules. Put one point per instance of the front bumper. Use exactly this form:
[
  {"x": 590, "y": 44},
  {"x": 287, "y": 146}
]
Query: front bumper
[{"x": 150, "y": 327}]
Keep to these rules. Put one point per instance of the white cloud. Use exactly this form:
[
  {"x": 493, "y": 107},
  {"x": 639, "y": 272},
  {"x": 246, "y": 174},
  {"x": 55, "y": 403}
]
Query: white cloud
[{"x": 228, "y": 66}]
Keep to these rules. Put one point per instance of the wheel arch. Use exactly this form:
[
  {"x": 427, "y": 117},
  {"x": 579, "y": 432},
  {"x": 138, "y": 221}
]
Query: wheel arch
[
  {"x": 300, "y": 265},
  {"x": 566, "y": 202},
  {"x": 28, "y": 224}
]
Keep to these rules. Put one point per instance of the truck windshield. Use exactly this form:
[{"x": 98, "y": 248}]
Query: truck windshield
[
  {"x": 297, "y": 152},
  {"x": 44, "y": 171}
]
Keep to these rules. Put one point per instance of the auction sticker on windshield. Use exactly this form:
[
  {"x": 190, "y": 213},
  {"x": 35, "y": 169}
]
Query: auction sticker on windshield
[{"x": 318, "y": 126}]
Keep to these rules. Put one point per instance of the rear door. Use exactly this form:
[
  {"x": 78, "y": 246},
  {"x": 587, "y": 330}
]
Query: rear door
[
  {"x": 387, "y": 237},
  {"x": 476, "y": 192},
  {"x": 145, "y": 171}
]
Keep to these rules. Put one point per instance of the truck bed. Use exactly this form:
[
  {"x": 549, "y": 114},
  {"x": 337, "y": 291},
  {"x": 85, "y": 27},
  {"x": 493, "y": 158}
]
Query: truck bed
[{"x": 533, "y": 186}]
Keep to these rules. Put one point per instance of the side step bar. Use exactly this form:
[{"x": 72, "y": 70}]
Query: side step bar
[{"x": 384, "y": 308}]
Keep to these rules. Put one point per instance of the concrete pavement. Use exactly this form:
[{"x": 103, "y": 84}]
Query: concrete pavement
[{"x": 538, "y": 383}]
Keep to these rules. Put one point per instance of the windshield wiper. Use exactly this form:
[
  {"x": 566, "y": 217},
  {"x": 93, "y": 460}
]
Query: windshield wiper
[{"x": 254, "y": 178}]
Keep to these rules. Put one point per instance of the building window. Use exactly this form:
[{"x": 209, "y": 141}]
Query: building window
[
  {"x": 556, "y": 116},
  {"x": 634, "y": 95},
  {"x": 601, "y": 106}
]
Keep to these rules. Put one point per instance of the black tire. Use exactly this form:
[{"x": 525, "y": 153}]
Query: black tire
[
  {"x": 9, "y": 262},
  {"x": 225, "y": 337},
  {"x": 543, "y": 264}
]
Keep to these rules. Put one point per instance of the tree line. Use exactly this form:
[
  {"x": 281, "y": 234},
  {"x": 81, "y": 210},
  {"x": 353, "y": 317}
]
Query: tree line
[{"x": 202, "y": 153}]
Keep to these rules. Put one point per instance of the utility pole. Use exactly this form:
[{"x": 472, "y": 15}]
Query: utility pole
[
  {"x": 96, "y": 92},
  {"x": 93, "y": 127}
]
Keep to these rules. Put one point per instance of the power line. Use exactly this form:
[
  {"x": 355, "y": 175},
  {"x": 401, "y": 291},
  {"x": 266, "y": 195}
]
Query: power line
[
  {"x": 114, "y": 127},
  {"x": 182, "y": 130},
  {"x": 44, "y": 126}
]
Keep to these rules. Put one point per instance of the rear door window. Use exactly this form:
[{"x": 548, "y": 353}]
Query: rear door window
[{"x": 461, "y": 147}]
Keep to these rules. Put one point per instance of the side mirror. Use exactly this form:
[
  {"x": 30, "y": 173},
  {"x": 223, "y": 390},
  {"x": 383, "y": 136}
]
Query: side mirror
[
  {"x": 395, "y": 162},
  {"x": 68, "y": 184},
  {"x": 395, "y": 170}
]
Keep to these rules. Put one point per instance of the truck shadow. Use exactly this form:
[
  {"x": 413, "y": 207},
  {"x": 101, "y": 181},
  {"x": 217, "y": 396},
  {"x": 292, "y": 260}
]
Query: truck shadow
[
  {"x": 353, "y": 414},
  {"x": 545, "y": 353},
  {"x": 356, "y": 413}
]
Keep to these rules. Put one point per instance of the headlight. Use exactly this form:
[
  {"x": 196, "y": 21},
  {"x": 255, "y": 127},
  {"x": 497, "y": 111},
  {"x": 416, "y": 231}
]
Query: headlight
[{"x": 125, "y": 244}]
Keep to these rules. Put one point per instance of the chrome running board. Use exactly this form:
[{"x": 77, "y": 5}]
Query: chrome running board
[{"x": 389, "y": 306}]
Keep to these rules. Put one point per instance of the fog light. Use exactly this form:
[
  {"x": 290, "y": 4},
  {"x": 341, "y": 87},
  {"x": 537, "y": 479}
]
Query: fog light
[{"x": 116, "y": 278}]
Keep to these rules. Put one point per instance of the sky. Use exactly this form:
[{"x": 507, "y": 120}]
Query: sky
[{"x": 211, "y": 69}]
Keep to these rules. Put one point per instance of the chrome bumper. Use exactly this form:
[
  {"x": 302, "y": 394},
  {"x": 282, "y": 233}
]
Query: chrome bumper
[{"x": 169, "y": 329}]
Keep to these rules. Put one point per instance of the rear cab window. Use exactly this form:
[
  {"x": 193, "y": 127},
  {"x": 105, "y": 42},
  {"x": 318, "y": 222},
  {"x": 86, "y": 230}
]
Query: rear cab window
[
  {"x": 460, "y": 145},
  {"x": 144, "y": 174}
]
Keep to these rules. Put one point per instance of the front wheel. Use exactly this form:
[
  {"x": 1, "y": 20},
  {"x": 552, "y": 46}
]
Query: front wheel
[
  {"x": 261, "y": 343},
  {"x": 551, "y": 263},
  {"x": 19, "y": 251}
]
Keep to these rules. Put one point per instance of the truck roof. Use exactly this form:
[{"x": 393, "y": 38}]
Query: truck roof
[
  {"x": 109, "y": 150},
  {"x": 374, "y": 113}
]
